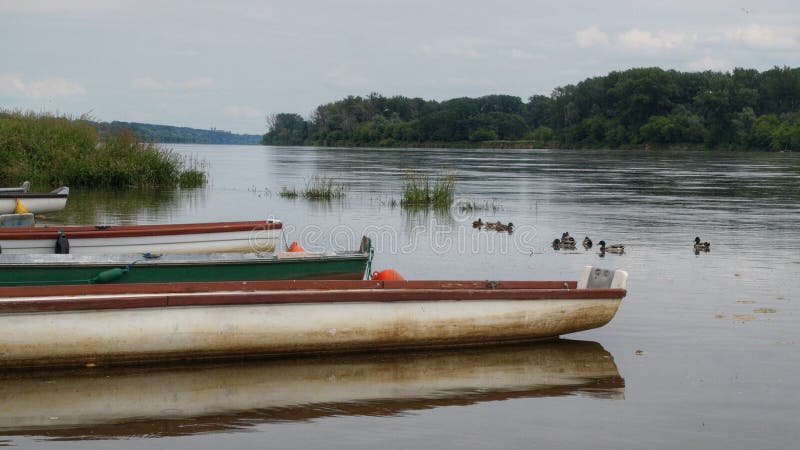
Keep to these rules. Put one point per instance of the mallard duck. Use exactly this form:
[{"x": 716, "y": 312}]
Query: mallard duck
[
  {"x": 567, "y": 240},
  {"x": 614, "y": 248},
  {"x": 556, "y": 244},
  {"x": 478, "y": 223},
  {"x": 500, "y": 227},
  {"x": 587, "y": 243},
  {"x": 704, "y": 246},
  {"x": 491, "y": 225}
]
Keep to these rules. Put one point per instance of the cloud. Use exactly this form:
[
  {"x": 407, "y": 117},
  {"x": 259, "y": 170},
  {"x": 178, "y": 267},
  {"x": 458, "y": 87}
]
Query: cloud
[
  {"x": 242, "y": 112},
  {"x": 197, "y": 83},
  {"x": 342, "y": 77},
  {"x": 589, "y": 37},
  {"x": 151, "y": 84},
  {"x": 638, "y": 40},
  {"x": 708, "y": 63},
  {"x": 458, "y": 46},
  {"x": 522, "y": 55},
  {"x": 72, "y": 8},
  {"x": 758, "y": 36},
  {"x": 14, "y": 85}
]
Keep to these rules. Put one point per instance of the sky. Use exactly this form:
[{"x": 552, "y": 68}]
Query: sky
[{"x": 228, "y": 64}]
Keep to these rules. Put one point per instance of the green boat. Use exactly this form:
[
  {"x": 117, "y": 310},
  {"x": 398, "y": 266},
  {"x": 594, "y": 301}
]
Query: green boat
[{"x": 52, "y": 269}]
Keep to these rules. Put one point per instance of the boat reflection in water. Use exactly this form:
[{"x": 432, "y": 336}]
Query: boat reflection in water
[{"x": 198, "y": 398}]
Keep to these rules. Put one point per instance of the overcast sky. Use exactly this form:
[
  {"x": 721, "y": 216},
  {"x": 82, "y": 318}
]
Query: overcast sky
[{"x": 226, "y": 64}]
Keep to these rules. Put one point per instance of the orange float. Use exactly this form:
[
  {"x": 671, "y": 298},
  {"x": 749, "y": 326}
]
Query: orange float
[{"x": 387, "y": 275}]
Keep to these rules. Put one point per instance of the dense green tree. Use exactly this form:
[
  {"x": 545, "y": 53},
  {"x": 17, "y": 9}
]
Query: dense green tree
[{"x": 740, "y": 109}]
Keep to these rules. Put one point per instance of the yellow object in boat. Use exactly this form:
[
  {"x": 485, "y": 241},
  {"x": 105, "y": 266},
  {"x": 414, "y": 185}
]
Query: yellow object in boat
[{"x": 20, "y": 209}]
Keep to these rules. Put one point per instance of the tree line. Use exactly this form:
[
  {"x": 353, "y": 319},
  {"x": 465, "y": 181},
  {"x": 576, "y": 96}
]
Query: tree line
[
  {"x": 741, "y": 109},
  {"x": 169, "y": 134}
]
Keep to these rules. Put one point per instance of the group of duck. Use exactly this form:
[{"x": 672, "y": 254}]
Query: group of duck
[
  {"x": 567, "y": 242},
  {"x": 497, "y": 226}
]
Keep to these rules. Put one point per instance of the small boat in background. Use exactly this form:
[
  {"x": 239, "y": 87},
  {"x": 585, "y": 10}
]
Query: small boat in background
[
  {"x": 249, "y": 236},
  {"x": 16, "y": 190},
  {"x": 28, "y": 202},
  {"x": 38, "y": 270},
  {"x": 147, "y": 322}
]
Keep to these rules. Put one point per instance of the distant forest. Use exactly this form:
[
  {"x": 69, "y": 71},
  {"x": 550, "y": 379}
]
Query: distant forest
[
  {"x": 642, "y": 107},
  {"x": 178, "y": 135}
]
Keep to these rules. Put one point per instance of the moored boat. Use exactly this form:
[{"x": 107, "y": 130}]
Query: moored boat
[
  {"x": 16, "y": 189},
  {"x": 247, "y": 236},
  {"x": 32, "y": 270},
  {"x": 125, "y": 323},
  {"x": 36, "y": 203}
]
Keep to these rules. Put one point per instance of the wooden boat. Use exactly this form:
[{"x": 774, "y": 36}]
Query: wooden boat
[
  {"x": 202, "y": 397},
  {"x": 126, "y": 323},
  {"x": 249, "y": 236},
  {"x": 33, "y": 270},
  {"x": 54, "y": 200}
]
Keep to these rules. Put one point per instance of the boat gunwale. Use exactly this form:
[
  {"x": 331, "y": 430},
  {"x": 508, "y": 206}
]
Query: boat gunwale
[
  {"x": 14, "y": 261},
  {"x": 26, "y": 195},
  {"x": 114, "y": 231},
  {"x": 55, "y": 299}
]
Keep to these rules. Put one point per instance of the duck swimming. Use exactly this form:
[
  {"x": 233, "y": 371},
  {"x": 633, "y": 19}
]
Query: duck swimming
[
  {"x": 478, "y": 223},
  {"x": 702, "y": 246},
  {"x": 567, "y": 240},
  {"x": 556, "y": 244},
  {"x": 614, "y": 248},
  {"x": 500, "y": 227},
  {"x": 587, "y": 243}
]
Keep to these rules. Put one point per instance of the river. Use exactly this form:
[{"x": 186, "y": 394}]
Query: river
[{"x": 703, "y": 353}]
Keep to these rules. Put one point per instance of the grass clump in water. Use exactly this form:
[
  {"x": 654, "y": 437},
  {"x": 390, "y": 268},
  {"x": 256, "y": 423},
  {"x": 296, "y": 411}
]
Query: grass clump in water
[
  {"x": 287, "y": 193},
  {"x": 322, "y": 188},
  {"x": 423, "y": 191},
  {"x": 52, "y": 150},
  {"x": 473, "y": 206}
]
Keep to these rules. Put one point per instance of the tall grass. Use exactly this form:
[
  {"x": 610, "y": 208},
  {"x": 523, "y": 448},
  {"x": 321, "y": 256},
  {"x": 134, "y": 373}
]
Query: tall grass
[
  {"x": 322, "y": 188},
  {"x": 54, "y": 150},
  {"x": 422, "y": 190}
]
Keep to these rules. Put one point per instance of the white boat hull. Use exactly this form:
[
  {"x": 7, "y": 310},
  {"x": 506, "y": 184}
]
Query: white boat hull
[
  {"x": 8, "y": 205},
  {"x": 149, "y": 334},
  {"x": 235, "y": 241}
]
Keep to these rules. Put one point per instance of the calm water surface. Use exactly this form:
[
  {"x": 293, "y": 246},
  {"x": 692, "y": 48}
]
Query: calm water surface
[{"x": 703, "y": 353}]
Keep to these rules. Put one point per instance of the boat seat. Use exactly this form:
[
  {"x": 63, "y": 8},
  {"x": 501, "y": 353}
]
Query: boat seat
[
  {"x": 16, "y": 220},
  {"x": 595, "y": 278}
]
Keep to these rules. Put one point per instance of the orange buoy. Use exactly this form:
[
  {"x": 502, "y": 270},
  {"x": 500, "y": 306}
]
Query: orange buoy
[
  {"x": 295, "y": 247},
  {"x": 387, "y": 275}
]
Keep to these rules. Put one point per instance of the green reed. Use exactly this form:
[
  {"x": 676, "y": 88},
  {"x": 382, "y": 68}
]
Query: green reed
[
  {"x": 422, "y": 190},
  {"x": 52, "y": 150},
  {"x": 324, "y": 188}
]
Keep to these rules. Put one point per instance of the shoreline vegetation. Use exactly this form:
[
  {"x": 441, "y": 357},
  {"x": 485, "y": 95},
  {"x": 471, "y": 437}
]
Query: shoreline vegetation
[
  {"x": 54, "y": 151},
  {"x": 648, "y": 108}
]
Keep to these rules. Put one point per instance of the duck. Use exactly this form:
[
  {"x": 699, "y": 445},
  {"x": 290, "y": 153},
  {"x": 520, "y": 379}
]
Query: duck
[
  {"x": 567, "y": 240},
  {"x": 556, "y": 244},
  {"x": 491, "y": 225},
  {"x": 587, "y": 243},
  {"x": 500, "y": 227},
  {"x": 614, "y": 248},
  {"x": 478, "y": 223},
  {"x": 703, "y": 246}
]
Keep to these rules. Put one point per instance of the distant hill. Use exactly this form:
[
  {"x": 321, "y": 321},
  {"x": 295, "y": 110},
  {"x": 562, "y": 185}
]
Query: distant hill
[{"x": 179, "y": 135}]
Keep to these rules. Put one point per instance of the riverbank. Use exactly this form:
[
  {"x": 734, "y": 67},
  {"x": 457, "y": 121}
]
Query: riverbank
[{"x": 55, "y": 151}]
